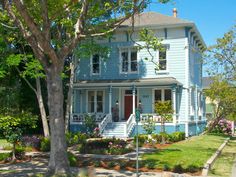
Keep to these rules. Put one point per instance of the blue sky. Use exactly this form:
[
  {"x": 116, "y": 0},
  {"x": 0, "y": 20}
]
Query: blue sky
[{"x": 212, "y": 17}]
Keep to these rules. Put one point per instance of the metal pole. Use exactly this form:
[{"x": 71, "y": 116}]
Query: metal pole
[{"x": 137, "y": 149}]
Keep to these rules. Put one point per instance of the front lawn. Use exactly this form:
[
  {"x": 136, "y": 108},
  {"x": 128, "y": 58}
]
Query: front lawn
[
  {"x": 223, "y": 165},
  {"x": 189, "y": 155},
  {"x": 4, "y": 143}
]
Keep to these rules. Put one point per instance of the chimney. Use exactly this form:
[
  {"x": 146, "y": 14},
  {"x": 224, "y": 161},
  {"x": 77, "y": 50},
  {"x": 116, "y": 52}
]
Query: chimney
[{"x": 175, "y": 12}]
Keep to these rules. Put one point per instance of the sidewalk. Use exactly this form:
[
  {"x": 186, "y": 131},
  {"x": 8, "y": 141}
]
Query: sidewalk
[{"x": 38, "y": 165}]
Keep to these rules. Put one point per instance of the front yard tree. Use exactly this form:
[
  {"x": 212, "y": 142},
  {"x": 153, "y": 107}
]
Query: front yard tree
[
  {"x": 222, "y": 94},
  {"x": 13, "y": 126},
  {"x": 165, "y": 110},
  {"x": 220, "y": 62},
  {"x": 53, "y": 29},
  {"x": 32, "y": 69}
]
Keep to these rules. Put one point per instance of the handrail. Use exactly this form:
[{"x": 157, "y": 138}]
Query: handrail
[
  {"x": 130, "y": 124},
  {"x": 104, "y": 122}
]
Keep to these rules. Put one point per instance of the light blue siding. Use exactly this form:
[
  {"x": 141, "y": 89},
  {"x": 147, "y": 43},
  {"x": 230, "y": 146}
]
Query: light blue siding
[{"x": 145, "y": 96}]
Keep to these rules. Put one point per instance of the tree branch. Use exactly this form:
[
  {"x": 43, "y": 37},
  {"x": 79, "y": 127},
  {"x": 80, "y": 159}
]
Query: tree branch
[
  {"x": 46, "y": 21},
  {"x": 79, "y": 26},
  {"x": 28, "y": 83},
  {"x": 43, "y": 44}
]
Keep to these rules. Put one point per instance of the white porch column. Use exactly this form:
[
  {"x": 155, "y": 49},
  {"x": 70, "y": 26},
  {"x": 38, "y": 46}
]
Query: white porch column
[
  {"x": 133, "y": 94},
  {"x": 110, "y": 94},
  {"x": 174, "y": 104}
]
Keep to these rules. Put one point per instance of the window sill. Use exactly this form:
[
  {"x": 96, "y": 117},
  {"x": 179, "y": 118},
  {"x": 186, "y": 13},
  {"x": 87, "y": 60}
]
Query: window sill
[
  {"x": 162, "y": 72},
  {"x": 128, "y": 72}
]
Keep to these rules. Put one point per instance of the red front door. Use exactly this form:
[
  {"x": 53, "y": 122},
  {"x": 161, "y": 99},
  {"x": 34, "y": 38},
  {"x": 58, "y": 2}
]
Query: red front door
[{"x": 128, "y": 106}]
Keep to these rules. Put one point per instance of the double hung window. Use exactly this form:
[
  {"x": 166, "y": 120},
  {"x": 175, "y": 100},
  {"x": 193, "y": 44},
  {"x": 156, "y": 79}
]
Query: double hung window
[
  {"x": 95, "y": 65},
  {"x": 95, "y": 101},
  {"x": 129, "y": 60}
]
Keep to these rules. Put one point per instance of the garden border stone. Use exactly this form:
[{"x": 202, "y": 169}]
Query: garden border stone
[{"x": 212, "y": 159}]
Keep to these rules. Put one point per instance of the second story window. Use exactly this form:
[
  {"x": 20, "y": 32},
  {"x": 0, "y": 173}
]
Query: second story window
[
  {"x": 95, "y": 64},
  {"x": 129, "y": 60},
  {"x": 162, "y": 59}
]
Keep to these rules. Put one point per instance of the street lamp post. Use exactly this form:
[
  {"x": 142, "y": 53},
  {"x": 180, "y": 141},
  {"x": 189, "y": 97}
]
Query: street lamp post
[{"x": 137, "y": 118}]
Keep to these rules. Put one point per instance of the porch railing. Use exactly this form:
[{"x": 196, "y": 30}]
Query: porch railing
[
  {"x": 104, "y": 122},
  {"x": 80, "y": 117},
  {"x": 153, "y": 117},
  {"x": 129, "y": 125}
]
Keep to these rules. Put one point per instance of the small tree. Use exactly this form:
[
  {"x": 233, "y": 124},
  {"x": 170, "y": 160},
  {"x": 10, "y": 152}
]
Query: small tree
[
  {"x": 149, "y": 126},
  {"x": 165, "y": 110},
  {"x": 13, "y": 127}
]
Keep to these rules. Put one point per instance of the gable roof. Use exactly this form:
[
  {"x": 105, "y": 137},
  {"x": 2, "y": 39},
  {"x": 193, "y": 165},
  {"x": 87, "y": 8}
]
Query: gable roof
[{"x": 153, "y": 18}]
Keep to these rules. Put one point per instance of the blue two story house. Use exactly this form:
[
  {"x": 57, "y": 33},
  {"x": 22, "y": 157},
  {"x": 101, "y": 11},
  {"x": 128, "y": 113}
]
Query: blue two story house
[{"x": 110, "y": 90}]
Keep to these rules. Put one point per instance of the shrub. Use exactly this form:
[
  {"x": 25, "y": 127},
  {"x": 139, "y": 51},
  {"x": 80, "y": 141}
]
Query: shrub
[
  {"x": 222, "y": 127},
  {"x": 166, "y": 167},
  {"x": 89, "y": 123},
  {"x": 165, "y": 136},
  {"x": 19, "y": 152},
  {"x": 111, "y": 164},
  {"x": 192, "y": 168},
  {"x": 150, "y": 164},
  {"x": 178, "y": 168},
  {"x": 177, "y": 136},
  {"x": 141, "y": 140},
  {"x": 72, "y": 159},
  {"x": 96, "y": 163},
  {"x": 123, "y": 164},
  {"x": 31, "y": 141},
  {"x": 157, "y": 137},
  {"x": 45, "y": 144},
  {"x": 4, "y": 156},
  {"x": 103, "y": 146}
]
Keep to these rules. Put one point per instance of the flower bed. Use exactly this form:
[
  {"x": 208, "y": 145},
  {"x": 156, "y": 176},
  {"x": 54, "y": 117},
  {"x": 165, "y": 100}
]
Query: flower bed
[{"x": 105, "y": 146}]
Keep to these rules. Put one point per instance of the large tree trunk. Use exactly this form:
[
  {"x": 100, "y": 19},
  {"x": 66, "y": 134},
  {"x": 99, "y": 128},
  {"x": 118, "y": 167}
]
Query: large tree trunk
[
  {"x": 42, "y": 108},
  {"x": 58, "y": 163}
]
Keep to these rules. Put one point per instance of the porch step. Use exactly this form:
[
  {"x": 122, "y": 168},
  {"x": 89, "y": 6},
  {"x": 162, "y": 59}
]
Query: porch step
[{"x": 115, "y": 129}]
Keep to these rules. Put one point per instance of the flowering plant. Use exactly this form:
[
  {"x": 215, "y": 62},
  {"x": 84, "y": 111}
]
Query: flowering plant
[
  {"x": 117, "y": 148},
  {"x": 96, "y": 132},
  {"x": 223, "y": 126}
]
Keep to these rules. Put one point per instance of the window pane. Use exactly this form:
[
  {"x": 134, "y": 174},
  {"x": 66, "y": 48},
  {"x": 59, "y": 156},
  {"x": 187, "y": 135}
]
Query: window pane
[
  {"x": 96, "y": 58},
  {"x": 125, "y": 64},
  {"x": 157, "y": 95},
  {"x": 90, "y": 101},
  {"x": 100, "y": 96},
  {"x": 99, "y": 107},
  {"x": 162, "y": 59},
  {"x": 162, "y": 64},
  {"x": 95, "y": 64},
  {"x": 168, "y": 95},
  {"x": 134, "y": 61},
  {"x": 162, "y": 54},
  {"x": 91, "y": 107}
]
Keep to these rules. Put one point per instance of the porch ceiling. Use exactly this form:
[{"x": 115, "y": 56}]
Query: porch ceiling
[{"x": 128, "y": 82}]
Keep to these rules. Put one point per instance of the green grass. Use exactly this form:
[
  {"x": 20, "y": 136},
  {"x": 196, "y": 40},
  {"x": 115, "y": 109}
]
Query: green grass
[
  {"x": 223, "y": 165},
  {"x": 4, "y": 143},
  {"x": 192, "y": 153}
]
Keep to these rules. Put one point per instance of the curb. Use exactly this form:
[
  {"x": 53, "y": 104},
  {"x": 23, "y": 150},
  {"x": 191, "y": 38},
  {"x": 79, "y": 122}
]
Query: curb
[{"x": 212, "y": 159}]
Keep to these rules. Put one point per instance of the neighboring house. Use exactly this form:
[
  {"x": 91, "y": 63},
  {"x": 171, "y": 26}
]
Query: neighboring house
[
  {"x": 206, "y": 82},
  {"x": 112, "y": 89}
]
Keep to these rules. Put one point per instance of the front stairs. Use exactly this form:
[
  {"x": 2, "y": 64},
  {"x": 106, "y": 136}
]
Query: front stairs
[{"x": 115, "y": 129}]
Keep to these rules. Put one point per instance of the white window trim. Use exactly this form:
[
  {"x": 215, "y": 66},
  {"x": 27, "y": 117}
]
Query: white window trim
[
  {"x": 95, "y": 101},
  {"x": 129, "y": 49},
  {"x": 91, "y": 66}
]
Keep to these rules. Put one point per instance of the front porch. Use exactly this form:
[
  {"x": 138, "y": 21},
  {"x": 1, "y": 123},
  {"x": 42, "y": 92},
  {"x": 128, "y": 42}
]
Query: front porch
[{"x": 114, "y": 105}]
